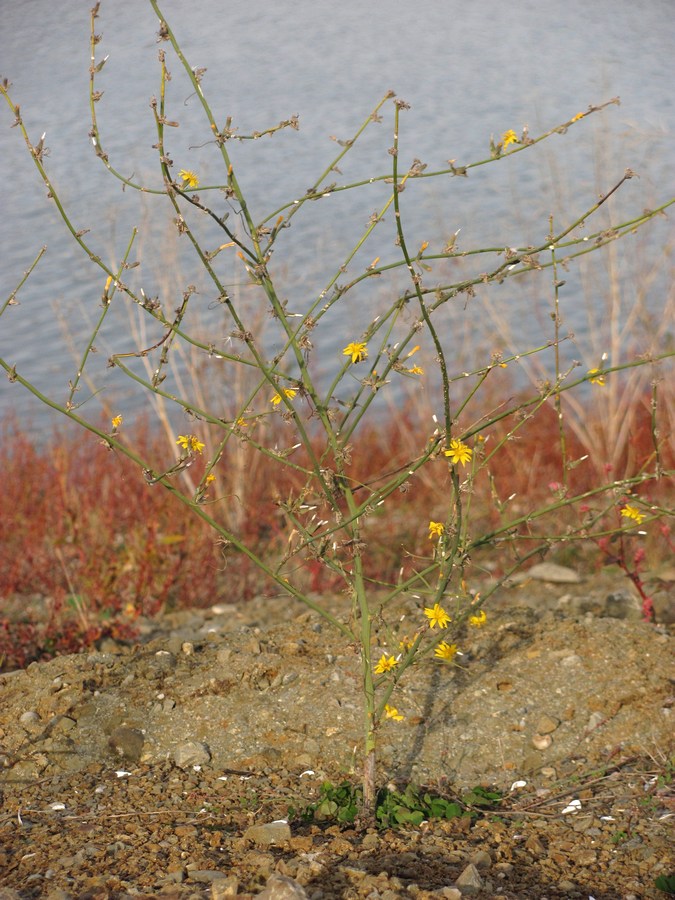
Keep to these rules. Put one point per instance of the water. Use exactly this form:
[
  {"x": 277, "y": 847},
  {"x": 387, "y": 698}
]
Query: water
[{"x": 467, "y": 70}]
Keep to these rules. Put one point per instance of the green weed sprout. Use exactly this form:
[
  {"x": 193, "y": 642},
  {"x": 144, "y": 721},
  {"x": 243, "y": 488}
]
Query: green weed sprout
[{"x": 330, "y": 509}]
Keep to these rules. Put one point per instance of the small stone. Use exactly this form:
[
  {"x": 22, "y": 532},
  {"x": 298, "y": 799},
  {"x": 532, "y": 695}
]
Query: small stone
[
  {"x": 225, "y": 887},
  {"x": 281, "y": 887},
  {"x": 572, "y": 660},
  {"x": 207, "y": 876},
  {"x": 504, "y": 867},
  {"x": 594, "y": 720},
  {"x": 553, "y": 573},
  {"x": 546, "y": 724},
  {"x": 450, "y": 893},
  {"x": 535, "y": 846},
  {"x": 191, "y": 753},
  {"x": 470, "y": 882},
  {"x": 370, "y": 841},
  {"x": 541, "y": 741},
  {"x": 481, "y": 859},
  {"x": 272, "y": 833},
  {"x": 127, "y": 742},
  {"x": 30, "y": 720}
]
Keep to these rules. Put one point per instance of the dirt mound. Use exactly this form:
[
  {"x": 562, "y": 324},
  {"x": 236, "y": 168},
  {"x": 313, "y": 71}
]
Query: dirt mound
[{"x": 140, "y": 768}]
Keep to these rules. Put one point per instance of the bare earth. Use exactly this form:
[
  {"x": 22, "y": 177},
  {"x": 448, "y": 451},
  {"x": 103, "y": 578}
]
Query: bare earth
[{"x": 146, "y": 770}]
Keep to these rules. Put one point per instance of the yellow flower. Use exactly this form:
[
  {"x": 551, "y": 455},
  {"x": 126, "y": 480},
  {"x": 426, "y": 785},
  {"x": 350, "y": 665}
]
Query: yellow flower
[
  {"x": 392, "y": 713},
  {"x": 190, "y": 443},
  {"x": 632, "y": 512},
  {"x": 597, "y": 377},
  {"x": 458, "y": 453},
  {"x": 288, "y": 392},
  {"x": 406, "y": 643},
  {"x": 478, "y": 620},
  {"x": 209, "y": 478},
  {"x": 385, "y": 665},
  {"x": 445, "y": 650},
  {"x": 117, "y": 421},
  {"x": 577, "y": 117},
  {"x": 437, "y": 616},
  {"x": 358, "y": 351},
  {"x": 509, "y": 137},
  {"x": 189, "y": 178},
  {"x": 436, "y": 529},
  {"x": 416, "y": 370}
]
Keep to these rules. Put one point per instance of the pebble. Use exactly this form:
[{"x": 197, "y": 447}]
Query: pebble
[
  {"x": 271, "y": 833},
  {"x": 553, "y": 573},
  {"x": 30, "y": 719},
  {"x": 470, "y": 881},
  {"x": 225, "y": 887},
  {"x": 546, "y": 724},
  {"x": 541, "y": 741},
  {"x": 281, "y": 887},
  {"x": 206, "y": 876},
  {"x": 191, "y": 753},
  {"x": 481, "y": 859},
  {"x": 127, "y": 742}
]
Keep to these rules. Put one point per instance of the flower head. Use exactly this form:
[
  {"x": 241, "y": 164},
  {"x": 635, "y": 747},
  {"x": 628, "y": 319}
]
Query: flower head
[
  {"x": 392, "y": 713},
  {"x": 509, "y": 137},
  {"x": 596, "y": 377},
  {"x": 479, "y": 619},
  {"x": 358, "y": 351},
  {"x": 437, "y": 616},
  {"x": 458, "y": 452},
  {"x": 385, "y": 664},
  {"x": 189, "y": 178},
  {"x": 287, "y": 392},
  {"x": 577, "y": 117},
  {"x": 116, "y": 422},
  {"x": 632, "y": 512},
  {"x": 416, "y": 370},
  {"x": 445, "y": 650},
  {"x": 436, "y": 529},
  {"x": 190, "y": 443}
]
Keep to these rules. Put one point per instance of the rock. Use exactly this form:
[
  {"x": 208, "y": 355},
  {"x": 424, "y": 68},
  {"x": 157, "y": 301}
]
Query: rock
[
  {"x": 370, "y": 841},
  {"x": 450, "y": 893},
  {"x": 225, "y": 887},
  {"x": 621, "y": 605},
  {"x": 272, "y": 833},
  {"x": 481, "y": 859},
  {"x": 470, "y": 882},
  {"x": 30, "y": 720},
  {"x": 546, "y": 724},
  {"x": 191, "y": 753},
  {"x": 541, "y": 741},
  {"x": 281, "y": 887},
  {"x": 127, "y": 742},
  {"x": 553, "y": 573},
  {"x": 207, "y": 876}
]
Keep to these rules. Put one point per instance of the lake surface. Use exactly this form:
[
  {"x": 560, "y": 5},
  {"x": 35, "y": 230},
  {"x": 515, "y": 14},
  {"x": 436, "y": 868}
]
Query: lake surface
[{"x": 468, "y": 71}]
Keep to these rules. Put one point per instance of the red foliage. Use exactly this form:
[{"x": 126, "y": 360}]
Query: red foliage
[{"x": 83, "y": 531}]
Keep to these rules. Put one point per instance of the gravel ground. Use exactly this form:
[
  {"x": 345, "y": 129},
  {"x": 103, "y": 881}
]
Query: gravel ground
[{"x": 167, "y": 768}]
